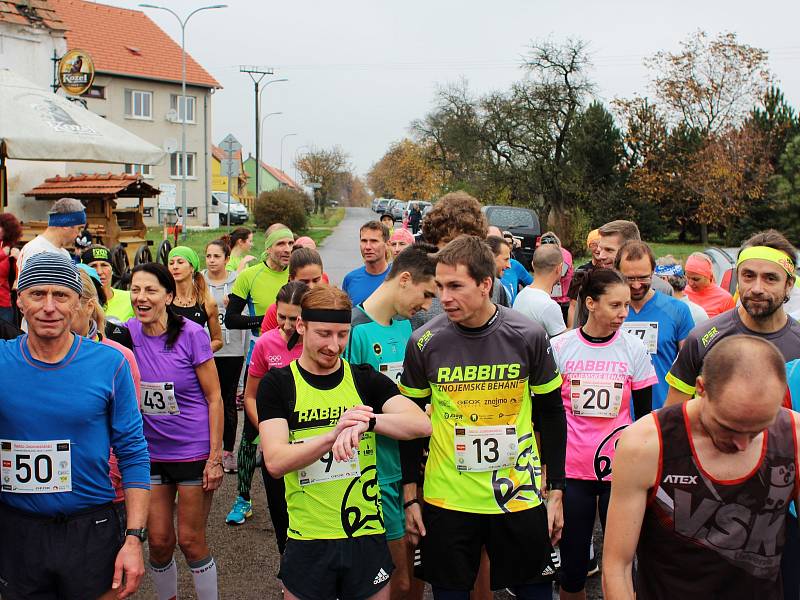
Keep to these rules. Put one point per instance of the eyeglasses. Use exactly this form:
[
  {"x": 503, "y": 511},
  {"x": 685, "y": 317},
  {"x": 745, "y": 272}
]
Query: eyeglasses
[{"x": 639, "y": 279}]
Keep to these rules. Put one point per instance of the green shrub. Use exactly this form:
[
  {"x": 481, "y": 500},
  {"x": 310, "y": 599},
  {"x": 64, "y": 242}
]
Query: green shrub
[{"x": 281, "y": 206}]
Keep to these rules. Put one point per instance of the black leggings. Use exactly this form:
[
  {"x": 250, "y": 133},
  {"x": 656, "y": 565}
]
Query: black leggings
[
  {"x": 582, "y": 499},
  {"x": 276, "y": 502},
  {"x": 229, "y": 368}
]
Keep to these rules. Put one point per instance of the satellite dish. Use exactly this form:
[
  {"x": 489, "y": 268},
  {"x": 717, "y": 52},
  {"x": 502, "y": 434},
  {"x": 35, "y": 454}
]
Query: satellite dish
[
  {"x": 172, "y": 115},
  {"x": 170, "y": 145}
]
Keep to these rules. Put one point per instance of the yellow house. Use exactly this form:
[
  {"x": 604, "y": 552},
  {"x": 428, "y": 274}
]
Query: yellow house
[{"x": 219, "y": 182}]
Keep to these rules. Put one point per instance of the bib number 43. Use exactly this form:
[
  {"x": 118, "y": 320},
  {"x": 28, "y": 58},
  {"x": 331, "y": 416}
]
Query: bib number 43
[{"x": 159, "y": 398}]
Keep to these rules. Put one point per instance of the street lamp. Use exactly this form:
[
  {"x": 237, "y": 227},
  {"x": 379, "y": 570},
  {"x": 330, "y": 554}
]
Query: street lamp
[
  {"x": 261, "y": 140},
  {"x": 259, "y": 124},
  {"x": 283, "y": 138},
  {"x": 184, "y": 160}
]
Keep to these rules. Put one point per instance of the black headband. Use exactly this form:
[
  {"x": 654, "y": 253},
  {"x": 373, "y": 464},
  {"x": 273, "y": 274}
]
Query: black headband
[{"x": 322, "y": 315}]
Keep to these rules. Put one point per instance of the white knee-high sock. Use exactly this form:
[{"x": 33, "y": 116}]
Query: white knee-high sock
[
  {"x": 204, "y": 573},
  {"x": 165, "y": 578}
]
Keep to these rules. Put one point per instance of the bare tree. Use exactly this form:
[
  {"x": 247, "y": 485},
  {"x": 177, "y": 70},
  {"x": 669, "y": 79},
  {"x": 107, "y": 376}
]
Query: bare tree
[{"x": 323, "y": 167}]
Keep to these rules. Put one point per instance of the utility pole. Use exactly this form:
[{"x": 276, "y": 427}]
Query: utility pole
[{"x": 257, "y": 74}]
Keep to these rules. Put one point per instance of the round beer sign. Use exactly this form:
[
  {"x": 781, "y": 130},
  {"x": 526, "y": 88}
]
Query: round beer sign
[{"x": 76, "y": 72}]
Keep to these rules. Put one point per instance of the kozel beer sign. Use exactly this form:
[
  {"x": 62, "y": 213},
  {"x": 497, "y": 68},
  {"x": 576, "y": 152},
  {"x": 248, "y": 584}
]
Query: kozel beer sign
[{"x": 76, "y": 72}]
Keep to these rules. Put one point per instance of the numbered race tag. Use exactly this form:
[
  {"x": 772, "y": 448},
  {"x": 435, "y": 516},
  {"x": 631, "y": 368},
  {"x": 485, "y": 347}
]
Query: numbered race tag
[
  {"x": 645, "y": 331},
  {"x": 485, "y": 448},
  {"x": 36, "y": 467},
  {"x": 557, "y": 291},
  {"x": 159, "y": 398},
  {"x": 393, "y": 370},
  {"x": 596, "y": 398},
  {"x": 328, "y": 469}
]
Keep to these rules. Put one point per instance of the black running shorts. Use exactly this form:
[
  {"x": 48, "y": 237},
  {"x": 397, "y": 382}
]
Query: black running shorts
[
  {"x": 347, "y": 569},
  {"x": 517, "y": 543},
  {"x": 64, "y": 557}
]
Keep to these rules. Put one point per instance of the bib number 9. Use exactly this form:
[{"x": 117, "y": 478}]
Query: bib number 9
[
  {"x": 327, "y": 469},
  {"x": 485, "y": 448}
]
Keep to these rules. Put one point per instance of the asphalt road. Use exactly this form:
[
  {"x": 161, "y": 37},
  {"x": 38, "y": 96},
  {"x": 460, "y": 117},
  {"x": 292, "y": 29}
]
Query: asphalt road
[{"x": 246, "y": 556}]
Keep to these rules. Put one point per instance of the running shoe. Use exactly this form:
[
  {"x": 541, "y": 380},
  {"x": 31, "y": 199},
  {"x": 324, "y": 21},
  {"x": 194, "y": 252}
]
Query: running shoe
[
  {"x": 241, "y": 511},
  {"x": 593, "y": 568},
  {"x": 229, "y": 462},
  {"x": 240, "y": 401}
]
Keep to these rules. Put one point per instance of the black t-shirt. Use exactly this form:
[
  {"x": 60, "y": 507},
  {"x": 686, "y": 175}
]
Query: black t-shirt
[{"x": 276, "y": 398}]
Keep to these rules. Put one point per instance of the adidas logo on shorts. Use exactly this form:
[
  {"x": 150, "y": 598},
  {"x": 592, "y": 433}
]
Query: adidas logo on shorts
[{"x": 380, "y": 577}]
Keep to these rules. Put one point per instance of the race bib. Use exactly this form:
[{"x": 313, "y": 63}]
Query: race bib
[
  {"x": 645, "y": 331},
  {"x": 328, "y": 469},
  {"x": 557, "y": 291},
  {"x": 485, "y": 448},
  {"x": 392, "y": 370},
  {"x": 159, "y": 398},
  {"x": 596, "y": 398},
  {"x": 36, "y": 467}
]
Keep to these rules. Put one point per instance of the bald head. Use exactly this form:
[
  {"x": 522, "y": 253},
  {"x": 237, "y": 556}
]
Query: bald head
[
  {"x": 546, "y": 258},
  {"x": 743, "y": 361},
  {"x": 494, "y": 230},
  {"x": 275, "y": 227}
]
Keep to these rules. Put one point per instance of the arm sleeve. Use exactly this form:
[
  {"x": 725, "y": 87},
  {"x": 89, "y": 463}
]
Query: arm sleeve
[
  {"x": 644, "y": 374},
  {"x": 259, "y": 364},
  {"x": 551, "y": 423},
  {"x": 414, "y": 381},
  {"x": 525, "y": 278},
  {"x": 270, "y": 321},
  {"x": 201, "y": 349},
  {"x": 684, "y": 371},
  {"x": 127, "y": 436},
  {"x": 685, "y": 322},
  {"x": 375, "y": 388},
  {"x": 411, "y": 459},
  {"x": 269, "y": 397},
  {"x": 234, "y": 319},
  {"x": 553, "y": 319},
  {"x": 642, "y": 402}
]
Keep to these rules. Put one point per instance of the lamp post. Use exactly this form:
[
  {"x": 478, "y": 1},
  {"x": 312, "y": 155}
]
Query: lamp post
[
  {"x": 283, "y": 138},
  {"x": 264, "y": 118},
  {"x": 259, "y": 122},
  {"x": 183, "y": 158}
]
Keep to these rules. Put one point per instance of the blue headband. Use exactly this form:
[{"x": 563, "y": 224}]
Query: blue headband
[
  {"x": 66, "y": 219},
  {"x": 667, "y": 270}
]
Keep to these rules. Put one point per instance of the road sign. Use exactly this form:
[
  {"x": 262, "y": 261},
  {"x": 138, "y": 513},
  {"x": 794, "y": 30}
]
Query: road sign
[
  {"x": 230, "y": 144},
  {"x": 166, "y": 199},
  {"x": 230, "y": 167}
]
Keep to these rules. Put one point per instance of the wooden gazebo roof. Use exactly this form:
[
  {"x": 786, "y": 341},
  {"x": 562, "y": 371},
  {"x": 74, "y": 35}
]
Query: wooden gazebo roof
[{"x": 104, "y": 186}]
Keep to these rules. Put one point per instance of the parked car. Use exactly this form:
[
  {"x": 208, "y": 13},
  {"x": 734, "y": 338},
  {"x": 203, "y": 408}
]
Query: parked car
[
  {"x": 219, "y": 204},
  {"x": 523, "y": 223},
  {"x": 380, "y": 208},
  {"x": 375, "y": 204},
  {"x": 399, "y": 210}
]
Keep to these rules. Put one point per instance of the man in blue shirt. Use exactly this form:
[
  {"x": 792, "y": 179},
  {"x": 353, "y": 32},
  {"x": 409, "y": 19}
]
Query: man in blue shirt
[
  {"x": 662, "y": 322},
  {"x": 378, "y": 338},
  {"x": 64, "y": 403},
  {"x": 516, "y": 274},
  {"x": 361, "y": 282}
]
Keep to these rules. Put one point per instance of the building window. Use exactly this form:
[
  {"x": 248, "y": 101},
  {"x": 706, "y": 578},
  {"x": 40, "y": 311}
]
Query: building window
[
  {"x": 143, "y": 170},
  {"x": 138, "y": 104},
  {"x": 98, "y": 92},
  {"x": 186, "y": 107},
  {"x": 176, "y": 164}
]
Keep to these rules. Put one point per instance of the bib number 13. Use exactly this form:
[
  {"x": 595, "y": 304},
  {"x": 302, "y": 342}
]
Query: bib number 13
[{"x": 485, "y": 448}]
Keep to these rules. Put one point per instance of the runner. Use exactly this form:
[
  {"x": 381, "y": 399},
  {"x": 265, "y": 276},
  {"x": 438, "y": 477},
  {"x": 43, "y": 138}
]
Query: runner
[
  {"x": 670, "y": 269},
  {"x": 516, "y": 274},
  {"x": 192, "y": 299},
  {"x": 361, "y": 282},
  {"x": 502, "y": 257},
  {"x": 240, "y": 241},
  {"x": 535, "y": 301},
  {"x": 55, "y": 505},
  {"x": 400, "y": 240},
  {"x": 388, "y": 221},
  {"x": 380, "y": 332},
  {"x": 479, "y": 364},
  {"x": 765, "y": 274},
  {"x": 605, "y": 370},
  {"x": 65, "y": 221},
  {"x": 10, "y": 233},
  {"x": 117, "y": 307},
  {"x": 275, "y": 349},
  {"x": 560, "y": 291},
  {"x": 701, "y": 490},
  {"x": 256, "y": 286},
  {"x": 183, "y": 421},
  {"x": 661, "y": 322},
  {"x": 305, "y": 265},
  {"x": 318, "y": 420},
  {"x": 230, "y": 358},
  {"x": 703, "y": 289}
]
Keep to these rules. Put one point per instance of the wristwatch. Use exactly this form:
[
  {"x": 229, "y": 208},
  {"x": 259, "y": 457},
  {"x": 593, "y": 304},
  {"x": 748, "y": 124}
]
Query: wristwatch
[
  {"x": 372, "y": 423},
  {"x": 556, "y": 484},
  {"x": 138, "y": 533}
]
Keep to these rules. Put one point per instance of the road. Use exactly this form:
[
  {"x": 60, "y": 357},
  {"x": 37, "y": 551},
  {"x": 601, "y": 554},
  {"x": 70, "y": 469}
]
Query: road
[{"x": 246, "y": 556}]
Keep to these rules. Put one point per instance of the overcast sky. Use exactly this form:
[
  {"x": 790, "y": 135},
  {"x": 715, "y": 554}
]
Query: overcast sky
[{"x": 361, "y": 70}]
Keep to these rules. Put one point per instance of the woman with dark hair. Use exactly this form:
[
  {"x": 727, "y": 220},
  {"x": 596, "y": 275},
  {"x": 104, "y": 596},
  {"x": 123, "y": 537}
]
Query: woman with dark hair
[
  {"x": 240, "y": 241},
  {"x": 230, "y": 358},
  {"x": 10, "y": 232},
  {"x": 604, "y": 371},
  {"x": 182, "y": 413},
  {"x": 192, "y": 298}
]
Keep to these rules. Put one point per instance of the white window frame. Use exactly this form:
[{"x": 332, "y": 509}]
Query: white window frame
[
  {"x": 140, "y": 94},
  {"x": 146, "y": 171},
  {"x": 176, "y": 105},
  {"x": 176, "y": 162}
]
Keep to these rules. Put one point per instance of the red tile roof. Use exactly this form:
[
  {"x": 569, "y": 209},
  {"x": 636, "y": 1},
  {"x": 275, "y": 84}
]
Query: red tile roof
[
  {"x": 221, "y": 155},
  {"x": 33, "y": 13},
  {"x": 127, "y": 42},
  {"x": 281, "y": 176},
  {"x": 97, "y": 184}
]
